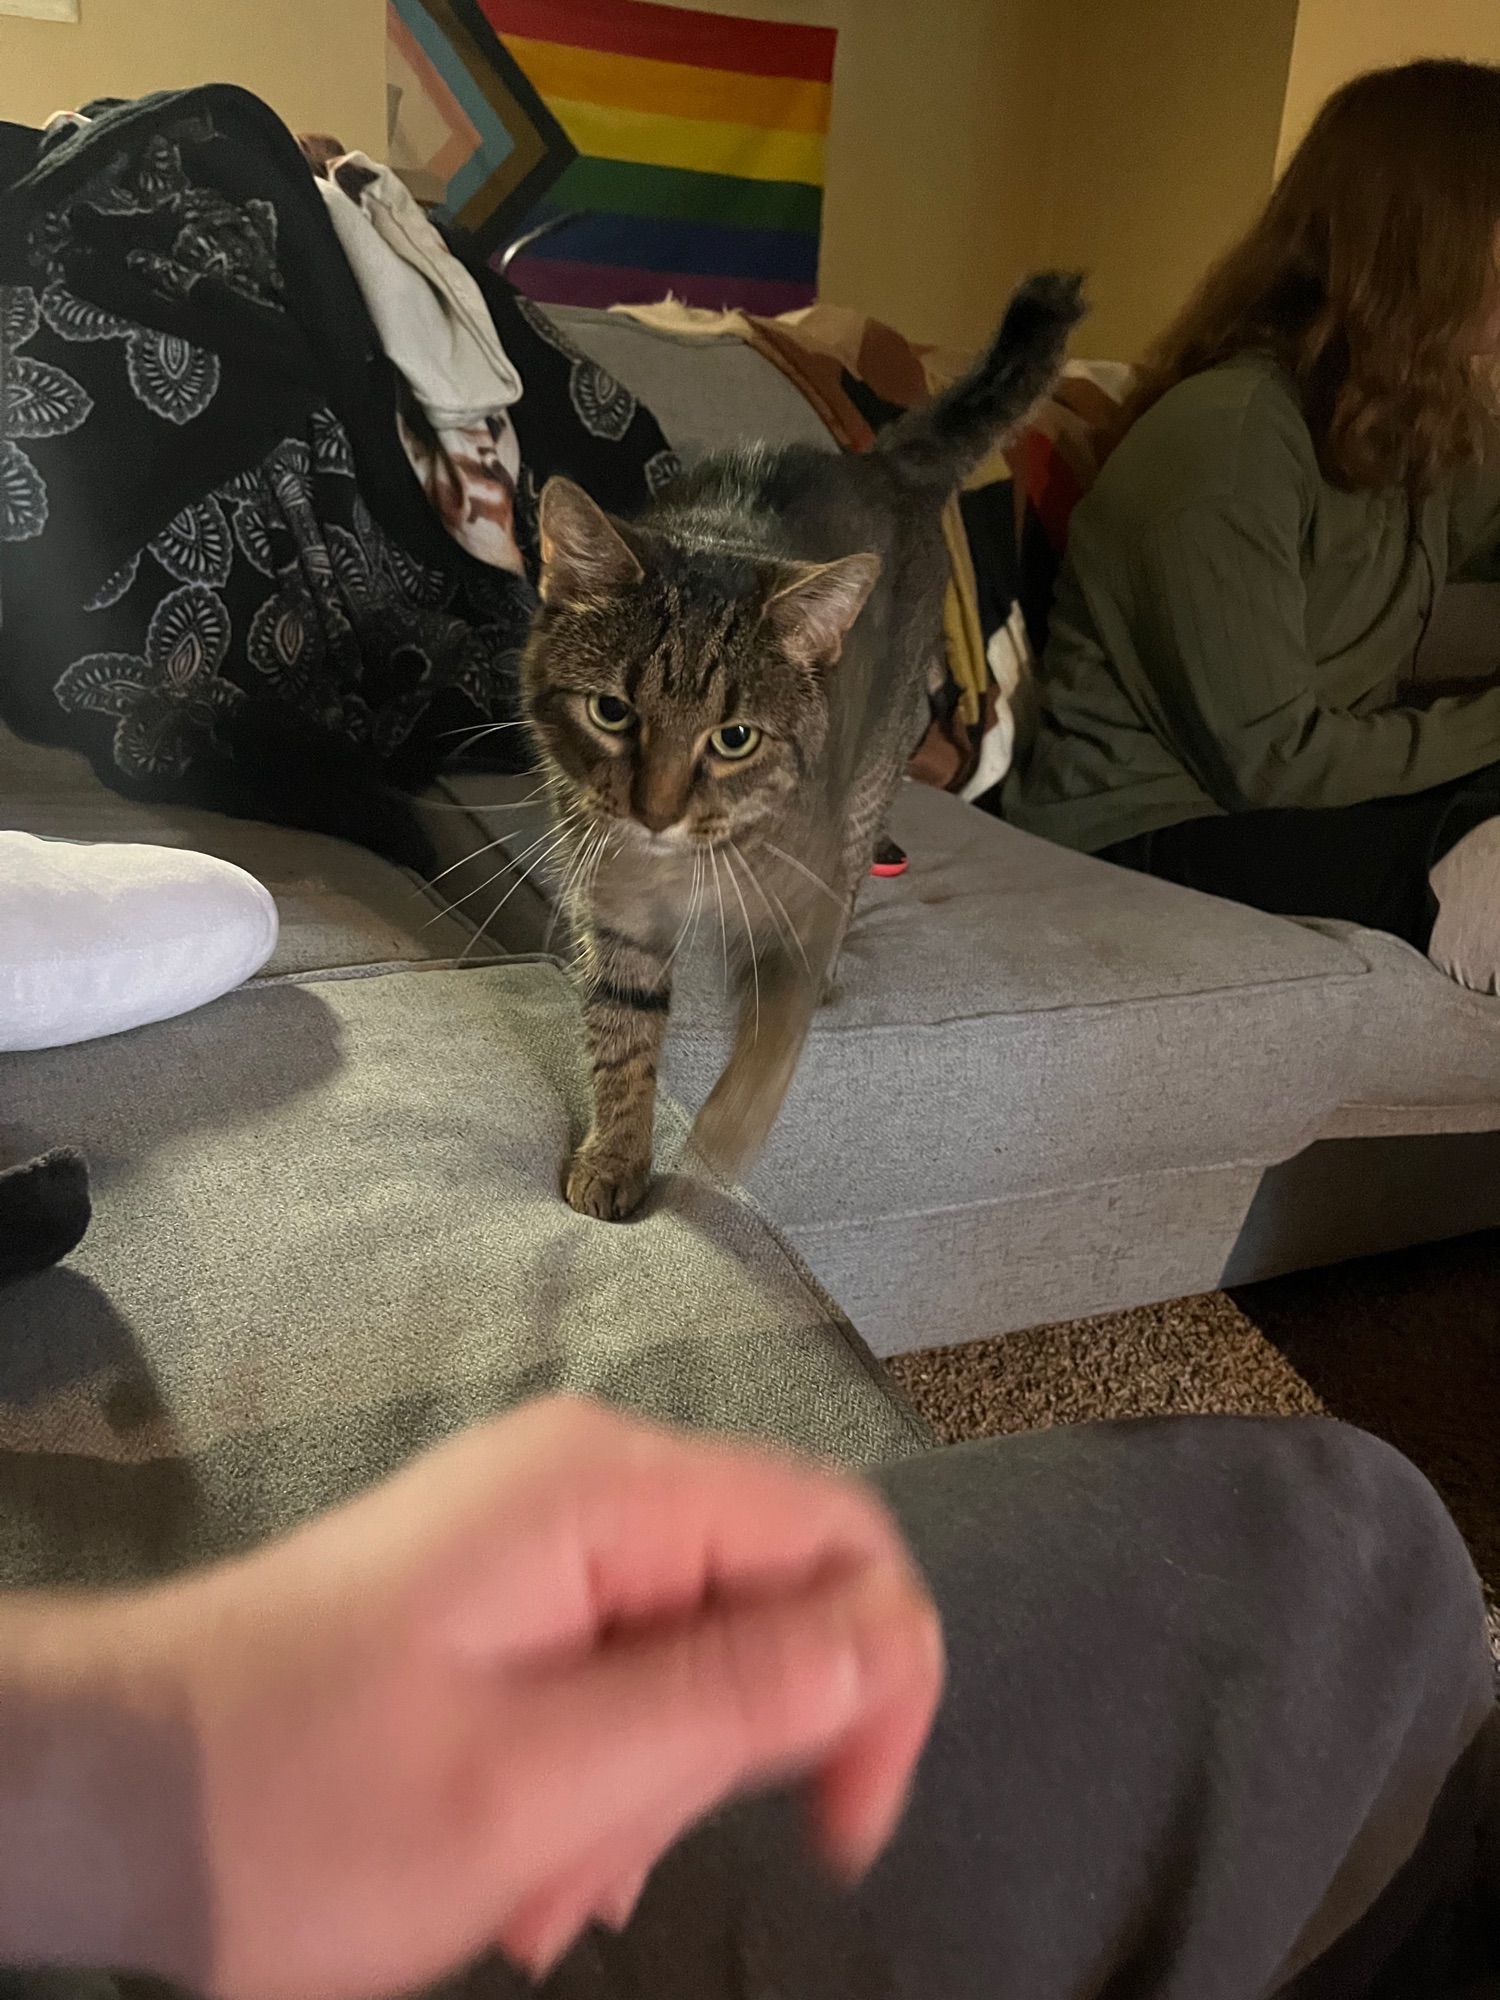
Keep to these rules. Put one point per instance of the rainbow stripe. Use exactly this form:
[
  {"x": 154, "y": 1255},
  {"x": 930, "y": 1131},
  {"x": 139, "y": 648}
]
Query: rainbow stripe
[
  {"x": 466, "y": 119},
  {"x": 700, "y": 139}
]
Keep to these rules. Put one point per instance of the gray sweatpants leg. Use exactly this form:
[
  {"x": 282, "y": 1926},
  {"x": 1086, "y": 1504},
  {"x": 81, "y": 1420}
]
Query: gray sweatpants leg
[{"x": 1215, "y": 1729}]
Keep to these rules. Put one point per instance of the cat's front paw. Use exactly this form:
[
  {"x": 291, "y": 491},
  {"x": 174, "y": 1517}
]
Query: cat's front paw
[{"x": 605, "y": 1184}]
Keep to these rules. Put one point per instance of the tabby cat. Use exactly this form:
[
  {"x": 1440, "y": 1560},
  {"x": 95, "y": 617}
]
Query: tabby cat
[{"x": 724, "y": 694}]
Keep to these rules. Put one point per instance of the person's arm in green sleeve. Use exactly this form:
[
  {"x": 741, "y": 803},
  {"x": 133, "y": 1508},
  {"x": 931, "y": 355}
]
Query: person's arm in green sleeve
[
  {"x": 1217, "y": 657},
  {"x": 1474, "y": 530}
]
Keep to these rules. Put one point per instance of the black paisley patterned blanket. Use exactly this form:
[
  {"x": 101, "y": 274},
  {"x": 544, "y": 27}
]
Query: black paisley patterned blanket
[{"x": 219, "y": 576}]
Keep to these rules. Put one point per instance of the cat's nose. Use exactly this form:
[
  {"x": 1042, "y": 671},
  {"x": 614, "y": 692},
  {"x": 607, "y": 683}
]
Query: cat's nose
[{"x": 660, "y": 797}]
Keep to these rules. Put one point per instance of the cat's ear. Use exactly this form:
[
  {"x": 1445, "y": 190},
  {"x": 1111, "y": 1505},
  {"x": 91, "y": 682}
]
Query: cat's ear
[
  {"x": 811, "y": 612},
  {"x": 585, "y": 558}
]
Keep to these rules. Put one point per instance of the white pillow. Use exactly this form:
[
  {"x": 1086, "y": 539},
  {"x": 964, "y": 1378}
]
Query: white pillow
[{"x": 97, "y": 937}]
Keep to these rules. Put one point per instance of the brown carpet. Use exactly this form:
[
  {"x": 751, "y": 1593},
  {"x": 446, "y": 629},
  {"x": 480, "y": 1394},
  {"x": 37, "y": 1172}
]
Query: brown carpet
[{"x": 1407, "y": 1346}]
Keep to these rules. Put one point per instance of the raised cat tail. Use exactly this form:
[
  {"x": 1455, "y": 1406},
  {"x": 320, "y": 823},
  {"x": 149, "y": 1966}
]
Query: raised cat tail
[{"x": 940, "y": 444}]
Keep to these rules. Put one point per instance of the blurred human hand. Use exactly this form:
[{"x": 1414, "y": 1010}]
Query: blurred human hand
[{"x": 476, "y": 1706}]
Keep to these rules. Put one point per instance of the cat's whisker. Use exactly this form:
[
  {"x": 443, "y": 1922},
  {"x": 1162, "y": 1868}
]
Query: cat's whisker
[
  {"x": 592, "y": 848},
  {"x": 499, "y": 872},
  {"x": 692, "y": 906},
  {"x": 524, "y": 876},
  {"x": 802, "y": 869},
  {"x": 713, "y": 855},
  {"x": 460, "y": 806},
  {"x": 580, "y": 835},
  {"x": 749, "y": 937},
  {"x": 701, "y": 897},
  {"x": 583, "y": 888},
  {"x": 475, "y": 852},
  {"x": 549, "y": 789},
  {"x": 586, "y": 890},
  {"x": 575, "y": 891},
  {"x": 472, "y": 734},
  {"x": 571, "y": 874},
  {"x": 511, "y": 861},
  {"x": 609, "y": 835},
  {"x": 789, "y": 934},
  {"x": 750, "y": 877},
  {"x": 795, "y": 935},
  {"x": 462, "y": 861},
  {"x": 695, "y": 902},
  {"x": 586, "y": 848}
]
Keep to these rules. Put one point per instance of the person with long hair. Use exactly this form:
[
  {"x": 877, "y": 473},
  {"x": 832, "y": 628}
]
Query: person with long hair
[{"x": 1312, "y": 450}]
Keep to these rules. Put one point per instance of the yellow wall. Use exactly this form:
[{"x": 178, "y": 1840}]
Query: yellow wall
[
  {"x": 933, "y": 159},
  {"x": 974, "y": 138},
  {"x": 321, "y": 63},
  {"x": 1162, "y": 149},
  {"x": 971, "y": 138},
  {"x": 1336, "y": 39},
  {"x": 934, "y": 156}
]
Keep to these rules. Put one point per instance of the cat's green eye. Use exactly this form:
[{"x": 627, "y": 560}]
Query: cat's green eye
[
  {"x": 734, "y": 740},
  {"x": 610, "y": 713}
]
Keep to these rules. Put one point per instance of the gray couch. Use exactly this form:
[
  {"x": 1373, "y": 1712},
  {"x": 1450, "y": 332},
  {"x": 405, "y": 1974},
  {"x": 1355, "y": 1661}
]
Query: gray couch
[
  {"x": 1050, "y": 1087},
  {"x": 328, "y": 1219}
]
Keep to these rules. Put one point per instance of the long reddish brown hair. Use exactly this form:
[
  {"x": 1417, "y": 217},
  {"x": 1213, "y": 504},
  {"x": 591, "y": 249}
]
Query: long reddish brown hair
[{"x": 1370, "y": 276}]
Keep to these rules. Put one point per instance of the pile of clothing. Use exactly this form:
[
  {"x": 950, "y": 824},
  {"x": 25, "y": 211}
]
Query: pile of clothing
[{"x": 270, "y": 450}]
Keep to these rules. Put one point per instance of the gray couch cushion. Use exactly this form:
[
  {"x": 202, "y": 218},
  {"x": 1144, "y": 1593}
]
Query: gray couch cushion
[
  {"x": 1427, "y": 1054},
  {"x": 928, "y": 1277},
  {"x": 328, "y": 1229},
  {"x": 1051, "y": 1086},
  {"x": 1014, "y": 1018},
  {"x": 706, "y": 394},
  {"x": 340, "y": 906}
]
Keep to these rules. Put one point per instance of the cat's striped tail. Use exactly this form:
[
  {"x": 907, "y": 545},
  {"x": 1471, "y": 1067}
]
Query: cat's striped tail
[{"x": 938, "y": 445}]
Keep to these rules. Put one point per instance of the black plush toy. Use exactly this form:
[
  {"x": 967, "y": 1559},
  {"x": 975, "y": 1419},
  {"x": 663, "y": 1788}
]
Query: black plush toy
[{"x": 44, "y": 1210}]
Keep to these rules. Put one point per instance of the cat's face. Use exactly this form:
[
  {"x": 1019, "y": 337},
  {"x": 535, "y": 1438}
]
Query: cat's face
[{"x": 678, "y": 693}]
